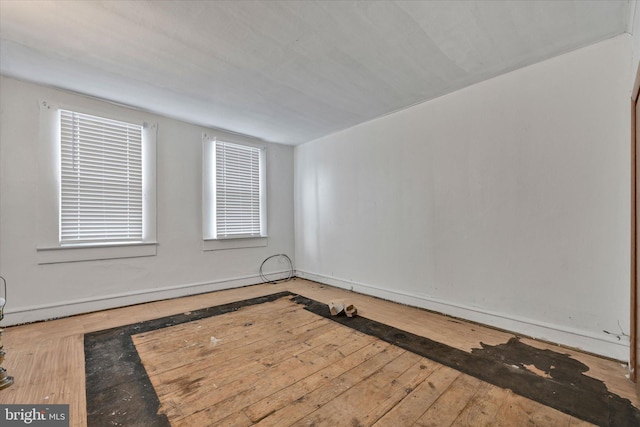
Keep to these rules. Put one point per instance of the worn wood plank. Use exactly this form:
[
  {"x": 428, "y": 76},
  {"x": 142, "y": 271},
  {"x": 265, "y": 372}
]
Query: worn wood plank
[
  {"x": 483, "y": 407},
  {"x": 418, "y": 401},
  {"x": 260, "y": 385},
  {"x": 399, "y": 389},
  {"x": 450, "y": 403},
  {"x": 296, "y": 391},
  {"x": 320, "y": 396},
  {"x": 243, "y": 389},
  {"x": 351, "y": 406},
  {"x": 194, "y": 339},
  {"x": 235, "y": 368},
  {"x": 50, "y": 372},
  {"x": 518, "y": 411}
]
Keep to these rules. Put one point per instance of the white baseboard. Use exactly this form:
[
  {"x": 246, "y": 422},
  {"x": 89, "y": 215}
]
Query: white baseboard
[
  {"x": 585, "y": 340},
  {"x": 20, "y": 315},
  {"x": 604, "y": 345}
]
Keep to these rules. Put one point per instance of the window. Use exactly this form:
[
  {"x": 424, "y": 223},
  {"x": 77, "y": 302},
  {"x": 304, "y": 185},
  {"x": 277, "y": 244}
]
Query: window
[
  {"x": 96, "y": 192},
  {"x": 101, "y": 180},
  {"x": 234, "y": 192}
]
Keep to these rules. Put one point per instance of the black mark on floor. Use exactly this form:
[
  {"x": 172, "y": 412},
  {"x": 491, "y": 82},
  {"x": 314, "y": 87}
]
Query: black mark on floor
[
  {"x": 563, "y": 386},
  {"x": 119, "y": 391}
]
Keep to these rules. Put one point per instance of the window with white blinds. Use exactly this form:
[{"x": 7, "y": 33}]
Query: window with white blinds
[
  {"x": 101, "y": 180},
  {"x": 238, "y": 191}
]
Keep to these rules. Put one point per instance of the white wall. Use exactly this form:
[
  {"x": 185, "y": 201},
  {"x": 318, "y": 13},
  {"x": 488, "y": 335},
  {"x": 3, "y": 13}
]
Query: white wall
[
  {"x": 634, "y": 29},
  {"x": 180, "y": 267},
  {"x": 506, "y": 202}
]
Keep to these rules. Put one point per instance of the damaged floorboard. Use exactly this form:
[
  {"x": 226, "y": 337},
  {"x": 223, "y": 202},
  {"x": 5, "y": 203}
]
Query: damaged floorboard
[
  {"x": 283, "y": 360},
  {"x": 47, "y": 360}
]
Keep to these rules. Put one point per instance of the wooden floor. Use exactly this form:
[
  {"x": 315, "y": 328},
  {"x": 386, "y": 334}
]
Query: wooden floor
[
  {"x": 327, "y": 375},
  {"x": 280, "y": 365}
]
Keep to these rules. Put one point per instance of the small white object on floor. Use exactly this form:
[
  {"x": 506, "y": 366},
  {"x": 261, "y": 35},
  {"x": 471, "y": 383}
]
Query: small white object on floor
[
  {"x": 350, "y": 310},
  {"x": 335, "y": 308}
]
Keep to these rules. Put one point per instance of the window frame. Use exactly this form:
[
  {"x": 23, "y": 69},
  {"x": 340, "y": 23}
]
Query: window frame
[
  {"x": 49, "y": 248},
  {"x": 101, "y": 180},
  {"x": 210, "y": 240}
]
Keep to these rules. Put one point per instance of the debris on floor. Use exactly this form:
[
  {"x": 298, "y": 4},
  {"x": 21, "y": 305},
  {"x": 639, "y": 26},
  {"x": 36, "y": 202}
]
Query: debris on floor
[
  {"x": 350, "y": 310},
  {"x": 337, "y": 308}
]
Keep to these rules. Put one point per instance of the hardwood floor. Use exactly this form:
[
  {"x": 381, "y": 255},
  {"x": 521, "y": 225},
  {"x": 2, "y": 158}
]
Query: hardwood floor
[
  {"x": 279, "y": 365},
  {"x": 309, "y": 359}
]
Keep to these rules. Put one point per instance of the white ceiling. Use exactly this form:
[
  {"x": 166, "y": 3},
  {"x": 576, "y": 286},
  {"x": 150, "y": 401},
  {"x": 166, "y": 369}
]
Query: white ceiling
[{"x": 288, "y": 71}]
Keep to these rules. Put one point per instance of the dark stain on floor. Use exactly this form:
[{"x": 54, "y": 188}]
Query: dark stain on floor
[
  {"x": 563, "y": 387},
  {"x": 120, "y": 393},
  {"x": 564, "y": 382}
]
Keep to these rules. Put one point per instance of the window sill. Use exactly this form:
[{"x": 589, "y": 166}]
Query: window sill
[
  {"x": 222, "y": 244},
  {"x": 56, "y": 255}
]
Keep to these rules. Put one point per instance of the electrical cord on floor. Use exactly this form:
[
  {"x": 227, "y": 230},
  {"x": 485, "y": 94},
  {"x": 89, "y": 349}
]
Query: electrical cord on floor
[{"x": 286, "y": 279}]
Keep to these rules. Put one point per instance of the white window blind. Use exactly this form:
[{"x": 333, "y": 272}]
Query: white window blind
[
  {"x": 101, "y": 180},
  {"x": 237, "y": 191}
]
